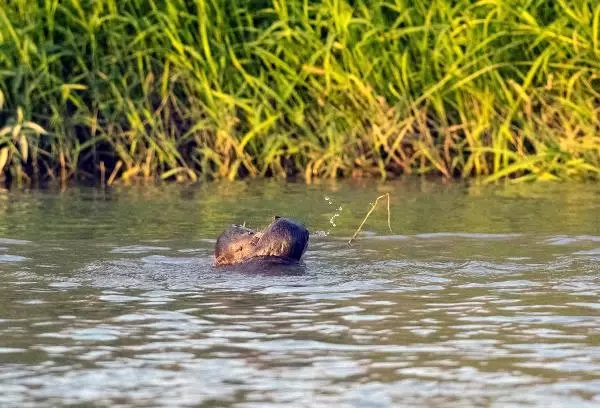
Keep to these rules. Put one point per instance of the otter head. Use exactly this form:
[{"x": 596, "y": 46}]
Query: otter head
[
  {"x": 283, "y": 239},
  {"x": 234, "y": 245}
]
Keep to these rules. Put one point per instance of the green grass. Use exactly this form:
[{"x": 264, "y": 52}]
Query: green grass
[{"x": 190, "y": 89}]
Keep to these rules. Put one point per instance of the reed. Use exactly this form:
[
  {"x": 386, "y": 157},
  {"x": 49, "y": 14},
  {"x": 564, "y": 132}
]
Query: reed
[
  {"x": 373, "y": 206},
  {"x": 188, "y": 90}
]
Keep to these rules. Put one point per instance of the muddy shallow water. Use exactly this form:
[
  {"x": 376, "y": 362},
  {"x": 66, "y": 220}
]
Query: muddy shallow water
[{"x": 479, "y": 297}]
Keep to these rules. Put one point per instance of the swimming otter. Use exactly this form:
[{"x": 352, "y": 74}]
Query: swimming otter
[{"x": 283, "y": 240}]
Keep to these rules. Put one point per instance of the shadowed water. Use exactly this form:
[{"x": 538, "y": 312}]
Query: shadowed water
[{"x": 479, "y": 297}]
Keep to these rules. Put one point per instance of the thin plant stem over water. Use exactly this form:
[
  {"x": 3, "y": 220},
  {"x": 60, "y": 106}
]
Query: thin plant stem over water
[{"x": 389, "y": 219}]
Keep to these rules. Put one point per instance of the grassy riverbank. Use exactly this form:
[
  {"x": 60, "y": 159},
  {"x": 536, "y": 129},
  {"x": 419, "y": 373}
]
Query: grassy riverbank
[{"x": 235, "y": 88}]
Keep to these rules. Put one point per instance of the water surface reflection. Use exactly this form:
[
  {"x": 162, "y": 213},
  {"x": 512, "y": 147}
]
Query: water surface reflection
[{"x": 479, "y": 298}]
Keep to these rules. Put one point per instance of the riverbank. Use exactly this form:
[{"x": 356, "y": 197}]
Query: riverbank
[{"x": 119, "y": 91}]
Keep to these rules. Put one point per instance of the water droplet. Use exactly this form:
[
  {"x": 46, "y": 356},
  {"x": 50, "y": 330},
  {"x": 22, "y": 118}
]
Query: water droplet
[{"x": 335, "y": 214}]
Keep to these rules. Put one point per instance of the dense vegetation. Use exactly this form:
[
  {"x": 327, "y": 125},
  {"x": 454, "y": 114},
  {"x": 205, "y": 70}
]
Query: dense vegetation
[{"x": 184, "y": 89}]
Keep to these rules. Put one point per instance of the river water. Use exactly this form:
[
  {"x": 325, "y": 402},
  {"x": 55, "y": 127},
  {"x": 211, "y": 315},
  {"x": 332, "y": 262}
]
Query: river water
[{"x": 479, "y": 297}]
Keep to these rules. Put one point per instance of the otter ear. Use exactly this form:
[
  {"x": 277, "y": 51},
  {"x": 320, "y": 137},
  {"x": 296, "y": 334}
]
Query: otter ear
[{"x": 276, "y": 217}]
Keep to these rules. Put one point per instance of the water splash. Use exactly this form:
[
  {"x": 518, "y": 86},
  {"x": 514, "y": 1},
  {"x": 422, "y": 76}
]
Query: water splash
[{"x": 335, "y": 215}]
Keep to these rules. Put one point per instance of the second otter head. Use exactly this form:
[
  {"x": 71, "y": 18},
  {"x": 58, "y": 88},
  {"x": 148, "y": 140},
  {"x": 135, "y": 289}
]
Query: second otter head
[
  {"x": 235, "y": 245},
  {"x": 283, "y": 238}
]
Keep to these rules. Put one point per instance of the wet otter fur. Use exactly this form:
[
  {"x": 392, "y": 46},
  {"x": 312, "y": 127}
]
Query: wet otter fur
[{"x": 283, "y": 240}]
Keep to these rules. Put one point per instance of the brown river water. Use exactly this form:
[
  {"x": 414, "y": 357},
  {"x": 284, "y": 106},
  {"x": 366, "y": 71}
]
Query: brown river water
[{"x": 480, "y": 297}]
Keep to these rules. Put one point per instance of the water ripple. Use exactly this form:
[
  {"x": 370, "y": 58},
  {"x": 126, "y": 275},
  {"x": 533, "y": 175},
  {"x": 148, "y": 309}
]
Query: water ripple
[{"x": 388, "y": 322}]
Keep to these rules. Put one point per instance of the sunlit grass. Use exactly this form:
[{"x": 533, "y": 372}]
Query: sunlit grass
[{"x": 182, "y": 90}]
